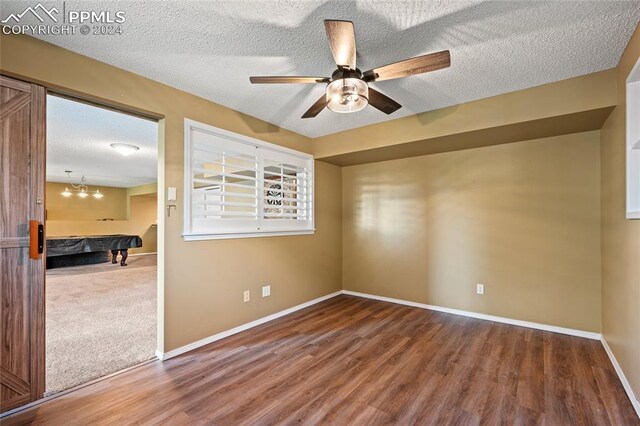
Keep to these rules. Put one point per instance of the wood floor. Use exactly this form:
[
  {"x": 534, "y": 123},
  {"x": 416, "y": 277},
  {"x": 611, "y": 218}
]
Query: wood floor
[{"x": 356, "y": 361}]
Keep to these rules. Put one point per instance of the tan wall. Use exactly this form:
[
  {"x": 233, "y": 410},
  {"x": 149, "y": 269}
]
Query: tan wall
[
  {"x": 112, "y": 206},
  {"x": 203, "y": 281},
  {"x": 620, "y": 237},
  {"x": 134, "y": 214},
  {"x": 523, "y": 219}
]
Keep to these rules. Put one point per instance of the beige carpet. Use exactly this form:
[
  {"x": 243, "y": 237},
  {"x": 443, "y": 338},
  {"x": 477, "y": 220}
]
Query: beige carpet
[{"x": 100, "y": 319}]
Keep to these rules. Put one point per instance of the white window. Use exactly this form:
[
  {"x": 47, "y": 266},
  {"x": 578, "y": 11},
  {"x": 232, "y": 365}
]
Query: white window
[
  {"x": 237, "y": 186},
  {"x": 633, "y": 143}
]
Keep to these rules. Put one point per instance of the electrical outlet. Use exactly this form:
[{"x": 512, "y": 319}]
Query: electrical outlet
[
  {"x": 247, "y": 296},
  {"x": 266, "y": 290},
  {"x": 480, "y": 288}
]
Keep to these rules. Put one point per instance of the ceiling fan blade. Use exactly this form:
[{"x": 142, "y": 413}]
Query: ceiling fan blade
[
  {"x": 342, "y": 40},
  {"x": 412, "y": 66},
  {"x": 285, "y": 79},
  {"x": 316, "y": 107},
  {"x": 382, "y": 102}
]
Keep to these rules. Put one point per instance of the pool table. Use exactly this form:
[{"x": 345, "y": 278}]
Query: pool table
[{"x": 89, "y": 249}]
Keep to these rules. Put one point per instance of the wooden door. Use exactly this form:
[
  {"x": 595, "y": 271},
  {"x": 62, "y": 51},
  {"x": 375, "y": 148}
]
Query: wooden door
[{"x": 22, "y": 167}]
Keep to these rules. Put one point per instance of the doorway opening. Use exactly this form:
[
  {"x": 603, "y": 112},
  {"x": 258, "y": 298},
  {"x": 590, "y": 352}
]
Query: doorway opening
[{"x": 101, "y": 242}]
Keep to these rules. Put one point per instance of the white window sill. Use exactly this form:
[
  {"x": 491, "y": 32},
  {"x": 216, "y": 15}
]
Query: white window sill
[
  {"x": 633, "y": 215},
  {"x": 201, "y": 237}
]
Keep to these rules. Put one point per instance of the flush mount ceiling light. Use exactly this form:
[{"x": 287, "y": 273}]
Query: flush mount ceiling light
[
  {"x": 348, "y": 88},
  {"x": 124, "y": 148}
]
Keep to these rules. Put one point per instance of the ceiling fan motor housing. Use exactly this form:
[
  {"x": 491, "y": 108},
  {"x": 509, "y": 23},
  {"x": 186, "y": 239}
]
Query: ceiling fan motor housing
[{"x": 347, "y": 92}]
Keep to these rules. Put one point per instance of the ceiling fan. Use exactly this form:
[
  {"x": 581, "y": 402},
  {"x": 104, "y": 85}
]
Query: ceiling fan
[{"x": 348, "y": 88}]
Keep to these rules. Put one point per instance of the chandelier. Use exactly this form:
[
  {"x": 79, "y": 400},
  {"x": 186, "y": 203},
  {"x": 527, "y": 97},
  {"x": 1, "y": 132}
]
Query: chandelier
[{"x": 81, "y": 189}]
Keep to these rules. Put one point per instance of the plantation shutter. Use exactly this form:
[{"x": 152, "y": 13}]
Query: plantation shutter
[
  {"x": 224, "y": 191},
  {"x": 287, "y": 191},
  {"x": 241, "y": 186}
]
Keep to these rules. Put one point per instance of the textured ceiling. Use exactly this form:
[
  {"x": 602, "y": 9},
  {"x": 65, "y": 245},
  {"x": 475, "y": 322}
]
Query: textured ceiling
[
  {"x": 211, "y": 48},
  {"x": 79, "y": 138}
]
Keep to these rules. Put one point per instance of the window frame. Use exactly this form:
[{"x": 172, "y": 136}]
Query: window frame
[
  {"x": 633, "y": 143},
  {"x": 306, "y": 227}
]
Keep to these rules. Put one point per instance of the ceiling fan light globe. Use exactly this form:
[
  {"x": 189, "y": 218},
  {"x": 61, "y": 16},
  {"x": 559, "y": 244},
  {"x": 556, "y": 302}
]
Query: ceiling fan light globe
[{"x": 347, "y": 95}]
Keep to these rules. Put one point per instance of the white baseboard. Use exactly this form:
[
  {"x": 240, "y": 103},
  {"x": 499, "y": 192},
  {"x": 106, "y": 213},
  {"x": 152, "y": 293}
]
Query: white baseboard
[
  {"x": 528, "y": 324},
  {"x": 623, "y": 378},
  {"x": 191, "y": 346},
  {"x": 143, "y": 254},
  {"x": 243, "y": 327}
]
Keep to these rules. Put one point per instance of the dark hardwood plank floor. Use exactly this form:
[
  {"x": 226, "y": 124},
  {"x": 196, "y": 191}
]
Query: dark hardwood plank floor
[{"x": 356, "y": 361}]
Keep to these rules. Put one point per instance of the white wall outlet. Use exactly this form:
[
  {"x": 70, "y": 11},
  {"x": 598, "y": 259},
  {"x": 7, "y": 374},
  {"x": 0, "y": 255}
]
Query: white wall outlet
[
  {"x": 247, "y": 296},
  {"x": 266, "y": 290},
  {"x": 480, "y": 288}
]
